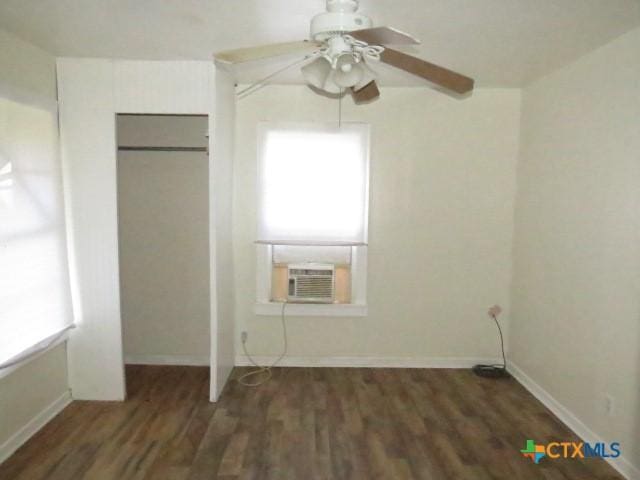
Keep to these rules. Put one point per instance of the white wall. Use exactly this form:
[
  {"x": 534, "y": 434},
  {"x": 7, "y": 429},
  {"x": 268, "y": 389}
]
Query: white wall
[
  {"x": 221, "y": 179},
  {"x": 440, "y": 228},
  {"x": 27, "y": 74},
  {"x": 87, "y": 135},
  {"x": 576, "y": 293},
  {"x": 91, "y": 92},
  {"x": 163, "y": 228},
  {"x": 30, "y": 396}
]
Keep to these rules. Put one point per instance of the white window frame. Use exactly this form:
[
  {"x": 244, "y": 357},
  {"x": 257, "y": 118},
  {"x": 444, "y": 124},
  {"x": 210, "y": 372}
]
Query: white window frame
[{"x": 356, "y": 308}]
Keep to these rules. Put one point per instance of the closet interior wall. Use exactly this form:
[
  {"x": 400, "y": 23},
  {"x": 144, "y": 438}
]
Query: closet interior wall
[{"x": 163, "y": 235}]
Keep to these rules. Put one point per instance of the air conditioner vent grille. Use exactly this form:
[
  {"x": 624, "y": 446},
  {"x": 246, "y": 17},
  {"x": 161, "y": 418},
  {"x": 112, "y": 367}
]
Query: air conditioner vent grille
[
  {"x": 311, "y": 283},
  {"x": 314, "y": 287}
]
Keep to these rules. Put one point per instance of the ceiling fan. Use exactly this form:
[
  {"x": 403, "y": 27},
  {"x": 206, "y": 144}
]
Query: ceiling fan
[{"x": 343, "y": 44}]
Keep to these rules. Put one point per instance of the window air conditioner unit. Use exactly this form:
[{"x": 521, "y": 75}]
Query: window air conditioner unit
[{"x": 311, "y": 283}]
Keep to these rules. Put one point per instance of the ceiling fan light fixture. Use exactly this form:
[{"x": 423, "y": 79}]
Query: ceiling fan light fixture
[
  {"x": 317, "y": 72},
  {"x": 348, "y": 71},
  {"x": 368, "y": 76},
  {"x": 330, "y": 86}
]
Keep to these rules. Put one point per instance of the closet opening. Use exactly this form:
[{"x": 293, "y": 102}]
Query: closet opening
[{"x": 163, "y": 237}]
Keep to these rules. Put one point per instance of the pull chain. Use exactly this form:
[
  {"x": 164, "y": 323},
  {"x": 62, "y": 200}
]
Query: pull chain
[{"x": 340, "y": 109}]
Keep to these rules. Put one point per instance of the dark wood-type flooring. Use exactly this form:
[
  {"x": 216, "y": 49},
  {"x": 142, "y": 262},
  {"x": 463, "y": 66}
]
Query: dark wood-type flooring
[{"x": 323, "y": 423}]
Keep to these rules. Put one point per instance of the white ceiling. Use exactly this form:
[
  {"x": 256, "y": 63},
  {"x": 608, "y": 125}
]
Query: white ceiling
[{"x": 497, "y": 42}]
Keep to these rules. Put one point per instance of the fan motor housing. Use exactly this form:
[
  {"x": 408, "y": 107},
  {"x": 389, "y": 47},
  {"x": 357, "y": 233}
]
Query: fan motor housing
[{"x": 329, "y": 24}]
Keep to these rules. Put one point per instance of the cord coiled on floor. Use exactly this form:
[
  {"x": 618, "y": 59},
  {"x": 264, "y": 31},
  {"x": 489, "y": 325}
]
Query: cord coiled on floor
[{"x": 262, "y": 369}]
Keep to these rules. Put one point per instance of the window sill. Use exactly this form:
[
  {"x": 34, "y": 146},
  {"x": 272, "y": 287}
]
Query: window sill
[
  {"x": 9, "y": 370},
  {"x": 311, "y": 309}
]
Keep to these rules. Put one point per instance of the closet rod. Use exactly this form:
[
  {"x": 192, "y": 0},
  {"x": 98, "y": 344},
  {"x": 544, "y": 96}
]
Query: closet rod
[{"x": 162, "y": 149}]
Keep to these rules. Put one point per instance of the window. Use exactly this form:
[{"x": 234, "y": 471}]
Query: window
[
  {"x": 312, "y": 209},
  {"x": 34, "y": 284}
]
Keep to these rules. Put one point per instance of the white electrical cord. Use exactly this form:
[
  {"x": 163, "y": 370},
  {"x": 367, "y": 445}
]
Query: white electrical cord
[{"x": 267, "y": 370}]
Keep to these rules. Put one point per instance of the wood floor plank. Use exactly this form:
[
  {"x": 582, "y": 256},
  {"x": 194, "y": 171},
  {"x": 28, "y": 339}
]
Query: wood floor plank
[{"x": 320, "y": 424}]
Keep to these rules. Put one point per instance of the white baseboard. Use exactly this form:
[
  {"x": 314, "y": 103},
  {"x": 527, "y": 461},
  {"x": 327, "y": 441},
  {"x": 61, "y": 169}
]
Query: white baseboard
[
  {"x": 621, "y": 464},
  {"x": 36, "y": 423},
  {"x": 186, "y": 360},
  {"x": 367, "y": 362}
]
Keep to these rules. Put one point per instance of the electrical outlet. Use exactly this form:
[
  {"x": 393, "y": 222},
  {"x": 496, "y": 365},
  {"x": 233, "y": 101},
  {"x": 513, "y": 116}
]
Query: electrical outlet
[
  {"x": 244, "y": 336},
  {"x": 609, "y": 404}
]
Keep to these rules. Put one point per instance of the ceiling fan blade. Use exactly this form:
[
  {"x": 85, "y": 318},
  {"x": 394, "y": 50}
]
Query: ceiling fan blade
[
  {"x": 367, "y": 93},
  {"x": 250, "y": 54},
  {"x": 384, "y": 36},
  {"x": 429, "y": 71}
]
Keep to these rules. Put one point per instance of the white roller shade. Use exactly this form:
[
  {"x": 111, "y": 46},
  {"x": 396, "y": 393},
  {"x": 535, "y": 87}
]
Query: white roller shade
[
  {"x": 35, "y": 302},
  {"x": 313, "y": 184}
]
